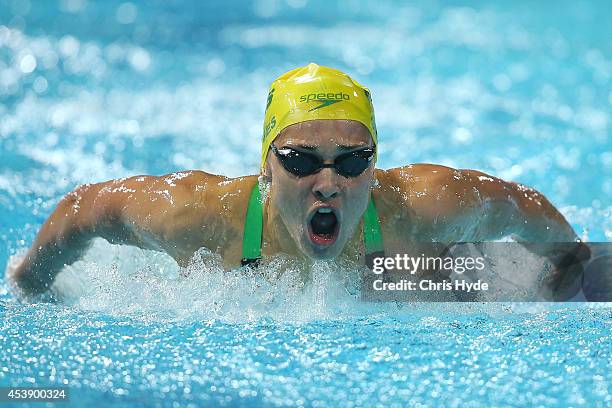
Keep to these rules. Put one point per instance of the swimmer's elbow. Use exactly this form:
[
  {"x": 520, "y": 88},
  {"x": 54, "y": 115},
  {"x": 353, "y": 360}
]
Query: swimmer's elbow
[
  {"x": 111, "y": 211},
  {"x": 63, "y": 238},
  {"x": 89, "y": 208}
]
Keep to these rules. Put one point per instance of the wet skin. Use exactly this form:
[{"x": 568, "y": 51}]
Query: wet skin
[{"x": 182, "y": 212}]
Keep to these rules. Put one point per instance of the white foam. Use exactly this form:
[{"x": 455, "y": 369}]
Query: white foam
[{"x": 147, "y": 285}]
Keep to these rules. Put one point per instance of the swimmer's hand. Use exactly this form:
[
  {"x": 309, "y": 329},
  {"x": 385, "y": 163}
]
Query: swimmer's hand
[
  {"x": 568, "y": 262},
  {"x": 597, "y": 281}
]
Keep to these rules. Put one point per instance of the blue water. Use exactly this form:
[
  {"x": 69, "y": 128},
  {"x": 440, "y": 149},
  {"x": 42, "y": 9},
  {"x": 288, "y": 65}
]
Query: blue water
[{"x": 91, "y": 91}]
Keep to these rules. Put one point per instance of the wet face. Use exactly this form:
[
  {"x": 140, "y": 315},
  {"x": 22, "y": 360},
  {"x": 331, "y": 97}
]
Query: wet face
[{"x": 320, "y": 211}]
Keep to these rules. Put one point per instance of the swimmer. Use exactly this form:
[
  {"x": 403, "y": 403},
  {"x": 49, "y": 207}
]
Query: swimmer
[{"x": 318, "y": 196}]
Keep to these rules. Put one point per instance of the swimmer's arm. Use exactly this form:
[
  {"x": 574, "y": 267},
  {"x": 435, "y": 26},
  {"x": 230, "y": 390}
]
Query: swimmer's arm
[
  {"x": 478, "y": 207},
  {"x": 512, "y": 209},
  {"x": 467, "y": 205},
  {"x": 447, "y": 205},
  {"x": 142, "y": 211},
  {"x": 443, "y": 204},
  {"x": 180, "y": 213},
  {"x": 534, "y": 220},
  {"x": 62, "y": 239}
]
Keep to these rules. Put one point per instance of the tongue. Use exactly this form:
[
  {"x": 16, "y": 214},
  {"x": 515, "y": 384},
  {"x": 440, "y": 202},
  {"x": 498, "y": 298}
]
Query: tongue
[{"x": 323, "y": 224}]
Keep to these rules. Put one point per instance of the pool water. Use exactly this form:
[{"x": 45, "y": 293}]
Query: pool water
[{"x": 91, "y": 91}]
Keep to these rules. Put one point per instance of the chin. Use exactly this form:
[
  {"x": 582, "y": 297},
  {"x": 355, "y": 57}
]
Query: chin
[{"x": 321, "y": 253}]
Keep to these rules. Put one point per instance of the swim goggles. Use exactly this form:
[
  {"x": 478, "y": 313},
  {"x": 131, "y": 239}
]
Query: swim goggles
[{"x": 304, "y": 164}]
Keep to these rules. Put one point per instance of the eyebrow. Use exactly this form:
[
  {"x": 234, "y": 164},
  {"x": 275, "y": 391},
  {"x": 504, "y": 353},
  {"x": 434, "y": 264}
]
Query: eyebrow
[{"x": 340, "y": 147}]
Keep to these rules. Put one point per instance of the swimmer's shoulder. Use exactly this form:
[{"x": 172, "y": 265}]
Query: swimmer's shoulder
[
  {"x": 188, "y": 186},
  {"x": 182, "y": 198},
  {"x": 210, "y": 193},
  {"x": 189, "y": 209},
  {"x": 411, "y": 187}
]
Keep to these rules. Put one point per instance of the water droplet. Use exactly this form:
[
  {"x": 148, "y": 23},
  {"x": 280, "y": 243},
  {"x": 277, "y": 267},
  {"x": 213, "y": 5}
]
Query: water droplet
[
  {"x": 126, "y": 13},
  {"x": 27, "y": 64}
]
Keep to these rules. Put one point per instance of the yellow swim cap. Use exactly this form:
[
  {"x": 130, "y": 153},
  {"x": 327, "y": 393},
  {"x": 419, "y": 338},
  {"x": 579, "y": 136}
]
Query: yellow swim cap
[{"x": 314, "y": 92}]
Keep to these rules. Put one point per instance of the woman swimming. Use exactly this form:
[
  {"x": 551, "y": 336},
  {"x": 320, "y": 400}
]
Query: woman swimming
[{"x": 324, "y": 197}]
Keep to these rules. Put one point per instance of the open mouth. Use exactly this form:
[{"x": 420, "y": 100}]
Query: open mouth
[{"x": 323, "y": 226}]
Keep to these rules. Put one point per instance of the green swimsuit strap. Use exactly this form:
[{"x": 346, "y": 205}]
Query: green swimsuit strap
[
  {"x": 253, "y": 228},
  {"x": 372, "y": 236}
]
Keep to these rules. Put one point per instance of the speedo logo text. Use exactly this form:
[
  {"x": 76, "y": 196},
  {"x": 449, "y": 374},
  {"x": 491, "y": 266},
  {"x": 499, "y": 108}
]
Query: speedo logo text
[{"x": 326, "y": 99}]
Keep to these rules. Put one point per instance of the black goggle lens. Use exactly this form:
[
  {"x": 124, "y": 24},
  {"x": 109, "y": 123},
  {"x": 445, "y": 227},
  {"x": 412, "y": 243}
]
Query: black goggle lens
[
  {"x": 300, "y": 163},
  {"x": 304, "y": 164},
  {"x": 353, "y": 164}
]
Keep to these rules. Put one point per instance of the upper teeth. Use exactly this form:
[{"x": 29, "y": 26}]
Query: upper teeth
[{"x": 325, "y": 210}]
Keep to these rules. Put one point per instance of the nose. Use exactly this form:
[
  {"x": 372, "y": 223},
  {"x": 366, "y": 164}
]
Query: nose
[{"x": 326, "y": 184}]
